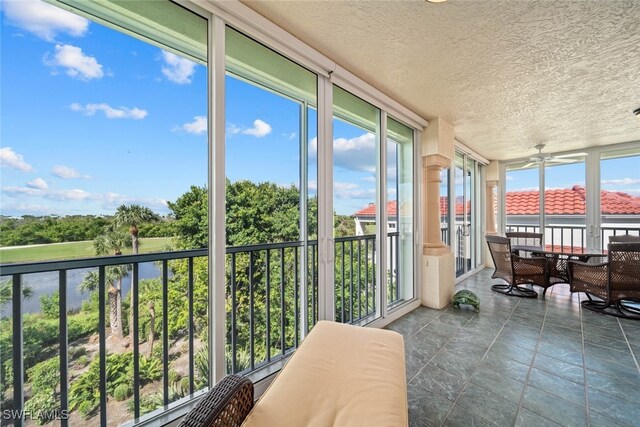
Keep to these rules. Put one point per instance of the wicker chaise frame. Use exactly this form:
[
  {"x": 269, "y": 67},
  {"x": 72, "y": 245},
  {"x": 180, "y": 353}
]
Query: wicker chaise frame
[
  {"x": 226, "y": 405},
  {"x": 615, "y": 282},
  {"x": 515, "y": 270}
]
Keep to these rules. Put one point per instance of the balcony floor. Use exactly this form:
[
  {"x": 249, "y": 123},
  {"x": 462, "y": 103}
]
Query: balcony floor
[{"x": 522, "y": 362}]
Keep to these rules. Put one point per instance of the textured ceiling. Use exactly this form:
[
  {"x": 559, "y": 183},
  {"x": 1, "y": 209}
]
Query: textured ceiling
[{"x": 506, "y": 74}]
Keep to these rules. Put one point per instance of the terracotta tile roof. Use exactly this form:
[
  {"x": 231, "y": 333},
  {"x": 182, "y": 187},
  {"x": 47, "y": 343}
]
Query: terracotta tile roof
[
  {"x": 568, "y": 201},
  {"x": 371, "y": 210},
  {"x": 392, "y": 210}
]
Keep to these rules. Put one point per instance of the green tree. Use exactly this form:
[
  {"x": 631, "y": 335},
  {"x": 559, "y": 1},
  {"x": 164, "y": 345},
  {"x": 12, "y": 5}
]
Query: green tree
[
  {"x": 6, "y": 292},
  {"x": 191, "y": 218},
  {"x": 132, "y": 216},
  {"x": 110, "y": 241}
]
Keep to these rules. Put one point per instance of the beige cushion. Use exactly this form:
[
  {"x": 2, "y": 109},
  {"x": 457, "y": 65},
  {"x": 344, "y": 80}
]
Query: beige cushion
[{"x": 341, "y": 375}]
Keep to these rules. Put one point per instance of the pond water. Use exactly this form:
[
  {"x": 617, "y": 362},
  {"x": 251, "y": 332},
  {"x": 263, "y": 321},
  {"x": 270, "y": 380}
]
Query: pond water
[{"x": 47, "y": 283}]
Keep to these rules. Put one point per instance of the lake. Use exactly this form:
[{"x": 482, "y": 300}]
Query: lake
[{"x": 47, "y": 283}]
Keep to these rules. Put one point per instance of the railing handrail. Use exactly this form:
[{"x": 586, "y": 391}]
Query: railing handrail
[{"x": 106, "y": 261}]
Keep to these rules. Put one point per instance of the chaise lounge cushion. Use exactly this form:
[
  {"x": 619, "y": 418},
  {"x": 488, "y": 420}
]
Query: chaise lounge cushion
[{"x": 341, "y": 375}]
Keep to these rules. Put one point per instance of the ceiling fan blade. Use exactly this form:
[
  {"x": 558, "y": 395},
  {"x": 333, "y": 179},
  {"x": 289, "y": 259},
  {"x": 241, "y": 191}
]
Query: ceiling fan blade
[
  {"x": 570, "y": 155},
  {"x": 560, "y": 161},
  {"x": 528, "y": 165}
]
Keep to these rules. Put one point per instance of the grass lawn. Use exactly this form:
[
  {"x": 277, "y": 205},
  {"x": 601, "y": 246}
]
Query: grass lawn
[{"x": 70, "y": 250}]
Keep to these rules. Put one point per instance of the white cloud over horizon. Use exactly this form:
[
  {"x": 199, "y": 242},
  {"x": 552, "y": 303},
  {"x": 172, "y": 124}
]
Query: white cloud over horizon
[
  {"x": 38, "y": 183},
  {"x": 11, "y": 159},
  {"x": 177, "y": 69},
  {"x": 43, "y": 19},
  {"x": 75, "y": 62},
  {"x": 110, "y": 112},
  {"x": 67, "y": 172},
  {"x": 197, "y": 127},
  {"x": 622, "y": 181},
  {"x": 260, "y": 129},
  {"x": 107, "y": 201}
]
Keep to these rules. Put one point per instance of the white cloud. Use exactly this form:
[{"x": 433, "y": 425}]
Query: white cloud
[
  {"x": 232, "y": 129},
  {"x": 77, "y": 64},
  {"x": 623, "y": 181},
  {"x": 66, "y": 172},
  {"x": 355, "y": 154},
  {"x": 198, "y": 126},
  {"x": 43, "y": 19},
  {"x": 67, "y": 195},
  {"x": 11, "y": 159},
  {"x": 108, "y": 201},
  {"x": 260, "y": 129},
  {"x": 109, "y": 111},
  {"x": 60, "y": 195},
  {"x": 177, "y": 69},
  {"x": 38, "y": 183},
  {"x": 350, "y": 190}
]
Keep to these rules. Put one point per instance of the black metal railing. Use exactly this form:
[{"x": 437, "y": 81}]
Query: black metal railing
[
  {"x": 572, "y": 238},
  {"x": 263, "y": 285},
  {"x": 16, "y": 272}
]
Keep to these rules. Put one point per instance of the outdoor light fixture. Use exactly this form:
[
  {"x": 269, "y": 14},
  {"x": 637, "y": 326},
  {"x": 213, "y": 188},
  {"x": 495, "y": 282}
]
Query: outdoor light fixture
[
  {"x": 436, "y": 1},
  {"x": 637, "y": 113}
]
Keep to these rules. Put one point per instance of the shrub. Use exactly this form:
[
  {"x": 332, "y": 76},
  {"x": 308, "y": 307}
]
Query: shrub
[
  {"x": 76, "y": 352},
  {"x": 150, "y": 369},
  {"x": 45, "y": 376},
  {"x": 82, "y": 361},
  {"x": 121, "y": 392},
  {"x": 42, "y": 404}
]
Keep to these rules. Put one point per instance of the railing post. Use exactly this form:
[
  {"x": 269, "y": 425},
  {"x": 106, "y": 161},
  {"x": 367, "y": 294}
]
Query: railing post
[
  {"x": 64, "y": 346},
  {"x": 18, "y": 361}
]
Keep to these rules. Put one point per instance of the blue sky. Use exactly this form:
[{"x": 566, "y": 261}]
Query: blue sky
[{"x": 93, "y": 118}]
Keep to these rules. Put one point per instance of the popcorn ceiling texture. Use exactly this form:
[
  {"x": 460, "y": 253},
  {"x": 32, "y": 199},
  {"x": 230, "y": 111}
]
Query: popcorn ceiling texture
[{"x": 506, "y": 74}]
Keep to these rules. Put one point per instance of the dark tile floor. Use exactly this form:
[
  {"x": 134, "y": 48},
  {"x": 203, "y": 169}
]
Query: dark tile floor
[{"x": 521, "y": 362}]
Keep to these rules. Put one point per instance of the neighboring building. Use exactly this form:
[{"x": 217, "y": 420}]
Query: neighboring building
[{"x": 562, "y": 207}]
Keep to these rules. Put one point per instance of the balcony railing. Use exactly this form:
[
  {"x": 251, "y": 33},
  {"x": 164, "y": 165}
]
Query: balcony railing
[
  {"x": 263, "y": 286},
  {"x": 573, "y": 238}
]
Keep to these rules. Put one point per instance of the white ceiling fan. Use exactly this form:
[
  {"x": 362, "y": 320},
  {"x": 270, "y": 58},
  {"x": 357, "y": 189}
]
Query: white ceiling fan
[{"x": 548, "y": 158}]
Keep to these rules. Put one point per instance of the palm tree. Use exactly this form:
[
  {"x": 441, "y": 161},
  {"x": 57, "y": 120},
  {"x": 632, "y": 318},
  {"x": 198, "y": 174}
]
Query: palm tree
[
  {"x": 111, "y": 241},
  {"x": 131, "y": 216},
  {"x": 113, "y": 276},
  {"x": 6, "y": 292}
]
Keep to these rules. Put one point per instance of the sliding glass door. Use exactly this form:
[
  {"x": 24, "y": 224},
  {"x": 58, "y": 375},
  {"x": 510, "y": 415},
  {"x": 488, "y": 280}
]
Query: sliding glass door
[{"x": 465, "y": 205}]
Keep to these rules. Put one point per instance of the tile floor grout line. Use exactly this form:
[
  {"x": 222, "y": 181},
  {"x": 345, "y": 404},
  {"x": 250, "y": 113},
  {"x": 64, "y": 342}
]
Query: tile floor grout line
[
  {"x": 444, "y": 419},
  {"x": 533, "y": 360},
  {"x": 440, "y": 349},
  {"x": 633, "y": 355},
  {"x": 584, "y": 365}
]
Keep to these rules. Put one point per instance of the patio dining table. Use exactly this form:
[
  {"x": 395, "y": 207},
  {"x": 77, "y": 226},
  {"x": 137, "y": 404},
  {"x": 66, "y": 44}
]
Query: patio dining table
[{"x": 557, "y": 260}]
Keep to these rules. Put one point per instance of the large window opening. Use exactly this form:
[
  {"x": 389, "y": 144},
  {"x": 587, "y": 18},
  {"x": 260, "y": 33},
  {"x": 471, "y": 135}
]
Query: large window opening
[
  {"x": 104, "y": 114},
  {"x": 271, "y": 204}
]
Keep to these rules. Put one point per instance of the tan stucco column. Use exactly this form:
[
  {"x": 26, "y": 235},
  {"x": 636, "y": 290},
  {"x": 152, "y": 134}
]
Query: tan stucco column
[
  {"x": 431, "y": 167},
  {"x": 491, "y": 213},
  {"x": 491, "y": 204},
  {"x": 438, "y": 279}
]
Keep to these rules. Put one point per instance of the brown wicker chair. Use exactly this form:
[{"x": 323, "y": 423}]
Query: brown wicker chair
[
  {"x": 523, "y": 238},
  {"x": 515, "y": 270},
  {"x": 226, "y": 405},
  {"x": 624, "y": 238},
  {"x": 615, "y": 283}
]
